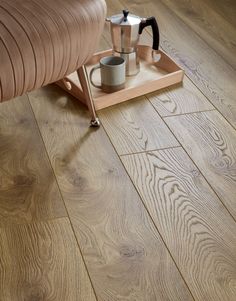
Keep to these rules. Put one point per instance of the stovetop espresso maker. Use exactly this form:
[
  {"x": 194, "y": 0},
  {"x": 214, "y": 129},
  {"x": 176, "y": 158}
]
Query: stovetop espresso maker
[{"x": 125, "y": 32}]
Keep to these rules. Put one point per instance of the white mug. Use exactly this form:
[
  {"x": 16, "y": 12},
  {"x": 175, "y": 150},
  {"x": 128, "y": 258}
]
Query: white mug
[{"x": 112, "y": 74}]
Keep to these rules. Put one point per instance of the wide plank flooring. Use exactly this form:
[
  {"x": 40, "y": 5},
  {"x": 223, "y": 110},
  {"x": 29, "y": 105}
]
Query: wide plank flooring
[
  {"x": 213, "y": 27},
  {"x": 190, "y": 218},
  {"x": 121, "y": 247},
  {"x": 144, "y": 208},
  {"x": 130, "y": 131},
  {"x": 28, "y": 189},
  {"x": 211, "y": 143},
  {"x": 172, "y": 100},
  {"x": 41, "y": 261}
]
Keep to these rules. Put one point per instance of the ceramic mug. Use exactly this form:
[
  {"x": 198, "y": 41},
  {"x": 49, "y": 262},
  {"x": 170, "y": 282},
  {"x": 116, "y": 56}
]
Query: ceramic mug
[{"x": 112, "y": 74}]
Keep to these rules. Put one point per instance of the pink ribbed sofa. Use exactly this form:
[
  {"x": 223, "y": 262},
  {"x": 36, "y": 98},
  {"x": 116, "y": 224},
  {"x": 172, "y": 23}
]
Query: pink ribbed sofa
[{"x": 42, "y": 41}]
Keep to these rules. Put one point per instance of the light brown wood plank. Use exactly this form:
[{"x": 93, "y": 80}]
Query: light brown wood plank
[
  {"x": 135, "y": 126},
  {"x": 211, "y": 143},
  {"x": 28, "y": 190},
  {"x": 226, "y": 8},
  {"x": 179, "y": 99},
  {"x": 122, "y": 249},
  {"x": 197, "y": 229},
  {"x": 41, "y": 261},
  {"x": 211, "y": 74},
  {"x": 213, "y": 28}
]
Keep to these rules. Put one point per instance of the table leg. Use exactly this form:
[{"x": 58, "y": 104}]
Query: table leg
[{"x": 83, "y": 77}]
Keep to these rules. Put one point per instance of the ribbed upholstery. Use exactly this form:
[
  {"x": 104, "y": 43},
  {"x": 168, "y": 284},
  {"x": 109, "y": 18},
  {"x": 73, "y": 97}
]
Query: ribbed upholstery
[{"x": 41, "y": 41}]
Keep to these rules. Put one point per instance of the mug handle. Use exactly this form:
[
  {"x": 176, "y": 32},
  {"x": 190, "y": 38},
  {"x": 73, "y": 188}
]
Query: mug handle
[{"x": 91, "y": 76}]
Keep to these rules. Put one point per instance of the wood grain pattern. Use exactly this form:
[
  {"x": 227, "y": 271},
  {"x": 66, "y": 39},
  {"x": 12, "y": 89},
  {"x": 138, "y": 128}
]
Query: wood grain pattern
[
  {"x": 135, "y": 126},
  {"x": 28, "y": 190},
  {"x": 214, "y": 29},
  {"x": 211, "y": 74},
  {"x": 41, "y": 261},
  {"x": 211, "y": 143},
  {"x": 226, "y": 9},
  {"x": 197, "y": 229},
  {"x": 122, "y": 247},
  {"x": 122, "y": 250},
  {"x": 179, "y": 99}
]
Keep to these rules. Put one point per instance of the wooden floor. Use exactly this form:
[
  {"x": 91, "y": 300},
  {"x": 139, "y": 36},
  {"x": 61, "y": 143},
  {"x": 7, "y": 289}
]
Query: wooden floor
[{"x": 143, "y": 209}]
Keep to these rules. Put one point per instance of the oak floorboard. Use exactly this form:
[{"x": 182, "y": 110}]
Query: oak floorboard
[
  {"x": 179, "y": 99},
  {"x": 135, "y": 126},
  {"x": 41, "y": 261},
  {"x": 211, "y": 142},
  {"x": 210, "y": 25},
  {"x": 210, "y": 73},
  {"x": 123, "y": 252},
  {"x": 226, "y": 8},
  {"x": 28, "y": 189},
  {"x": 196, "y": 227}
]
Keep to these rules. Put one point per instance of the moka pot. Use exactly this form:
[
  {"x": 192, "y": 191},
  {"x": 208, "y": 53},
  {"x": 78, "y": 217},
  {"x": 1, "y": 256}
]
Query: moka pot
[{"x": 125, "y": 33}]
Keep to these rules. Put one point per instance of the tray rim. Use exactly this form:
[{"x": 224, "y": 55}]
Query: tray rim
[{"x": 128, "y": 93}]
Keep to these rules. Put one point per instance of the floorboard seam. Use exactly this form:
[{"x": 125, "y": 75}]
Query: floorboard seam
[
  {"x": 34, "y": 222},
  {"x": 72, "y": 228},
  {"x": 195, "y": 164},
  {"x": 234, "y": 127},
  {"x": 148, "y": 150},
  {"x": 211, "y": 103},
  {"x": 202, "y": 111},
  {"x": 197, "y": 34},
  {"x": 155, "y": 226}
]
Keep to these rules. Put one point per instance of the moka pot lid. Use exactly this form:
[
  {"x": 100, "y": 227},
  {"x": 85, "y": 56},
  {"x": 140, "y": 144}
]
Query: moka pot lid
[{"x": 125, "y": 19}]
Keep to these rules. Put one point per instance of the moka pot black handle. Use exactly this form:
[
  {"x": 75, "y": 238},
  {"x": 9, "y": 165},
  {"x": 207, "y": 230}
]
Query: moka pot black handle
[{"x": 155, "y": 30}]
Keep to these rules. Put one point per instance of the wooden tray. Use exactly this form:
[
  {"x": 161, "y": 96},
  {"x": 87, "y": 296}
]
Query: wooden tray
[{"x": 155, "y": 73}]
